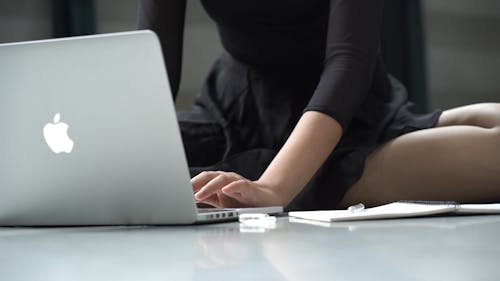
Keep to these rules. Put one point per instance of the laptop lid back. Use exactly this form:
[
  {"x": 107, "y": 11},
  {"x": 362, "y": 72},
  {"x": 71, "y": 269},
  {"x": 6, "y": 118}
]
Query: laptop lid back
[{"x": 89, "y": 134}]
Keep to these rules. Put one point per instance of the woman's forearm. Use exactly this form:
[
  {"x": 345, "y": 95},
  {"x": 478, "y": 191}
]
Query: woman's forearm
[{"x": 311, "y": 142}]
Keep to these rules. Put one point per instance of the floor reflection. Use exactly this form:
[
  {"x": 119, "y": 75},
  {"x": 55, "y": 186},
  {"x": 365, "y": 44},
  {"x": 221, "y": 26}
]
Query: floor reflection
[{"x": 443, "y": 247}]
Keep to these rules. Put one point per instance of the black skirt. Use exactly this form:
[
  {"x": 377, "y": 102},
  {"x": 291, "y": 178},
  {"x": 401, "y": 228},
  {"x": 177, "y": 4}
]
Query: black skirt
[{"x": 244, "y": 115}]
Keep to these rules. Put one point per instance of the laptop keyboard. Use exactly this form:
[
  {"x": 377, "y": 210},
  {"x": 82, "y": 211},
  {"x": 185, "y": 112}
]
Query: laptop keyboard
[{"x": 213, "y": 210}]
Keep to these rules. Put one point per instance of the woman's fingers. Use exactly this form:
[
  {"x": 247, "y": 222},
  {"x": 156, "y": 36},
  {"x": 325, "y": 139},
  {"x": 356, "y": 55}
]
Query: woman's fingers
[
  {"x": 226, "y": 189},
  {"x": 202, "y": 179},
  {"x": 215, "y": 185},
  {"x": 212, "y": 201}
]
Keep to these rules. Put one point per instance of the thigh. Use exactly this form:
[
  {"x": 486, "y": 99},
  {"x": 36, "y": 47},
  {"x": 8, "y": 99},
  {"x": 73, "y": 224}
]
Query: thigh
[{"x": 457, "y": 160}]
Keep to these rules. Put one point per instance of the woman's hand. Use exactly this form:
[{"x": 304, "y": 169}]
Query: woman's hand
[{"x": 230, "y": 190}]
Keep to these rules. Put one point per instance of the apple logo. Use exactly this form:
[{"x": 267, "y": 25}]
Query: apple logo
[{"x": 56, "y": 136}]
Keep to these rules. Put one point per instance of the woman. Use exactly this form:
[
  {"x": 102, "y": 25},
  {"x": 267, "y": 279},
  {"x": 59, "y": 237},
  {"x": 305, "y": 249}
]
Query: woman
[{"x": 300, "y": 112}]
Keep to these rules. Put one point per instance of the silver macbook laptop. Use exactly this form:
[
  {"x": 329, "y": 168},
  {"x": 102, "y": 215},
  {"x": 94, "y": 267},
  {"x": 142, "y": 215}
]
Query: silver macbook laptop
[{"x": 89, "y": 135}]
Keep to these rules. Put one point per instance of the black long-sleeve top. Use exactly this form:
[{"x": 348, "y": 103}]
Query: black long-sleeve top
[{"x": 340, "y": 36}]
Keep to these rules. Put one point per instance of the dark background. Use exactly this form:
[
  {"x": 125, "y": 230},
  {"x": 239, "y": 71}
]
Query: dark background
[{"x": 447, "y": 52}]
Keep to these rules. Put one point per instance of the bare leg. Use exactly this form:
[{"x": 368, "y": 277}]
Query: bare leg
[{"x": 458, "y": 160}]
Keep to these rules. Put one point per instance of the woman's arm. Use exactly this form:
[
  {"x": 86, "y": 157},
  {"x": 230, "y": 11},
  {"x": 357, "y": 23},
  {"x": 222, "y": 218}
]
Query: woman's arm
[
  {"x": 351, "y": 49},
  {"x": 166, "y": 19},
  {"x": 313, "y": 139},
  {"x": 310, "y": 143},
  {"x": 352, "y": 46}
]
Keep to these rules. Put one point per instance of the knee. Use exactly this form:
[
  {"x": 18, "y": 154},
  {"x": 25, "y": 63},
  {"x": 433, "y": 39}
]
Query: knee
[
  {"x": 496, "y": 108},
  {"x": 487, "y": 115},
  {"x": 491, "y": 112}
]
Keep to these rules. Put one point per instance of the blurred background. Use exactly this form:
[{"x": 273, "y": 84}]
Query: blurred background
[{"x": 447, "y": 52}]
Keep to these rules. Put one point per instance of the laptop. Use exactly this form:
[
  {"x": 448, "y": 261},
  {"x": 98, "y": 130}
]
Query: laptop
[{"x": 89, "y": 136}]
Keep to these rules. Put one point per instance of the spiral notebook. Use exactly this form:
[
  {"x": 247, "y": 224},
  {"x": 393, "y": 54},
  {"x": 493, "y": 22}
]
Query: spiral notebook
[{"x": 401, "y": 209}]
